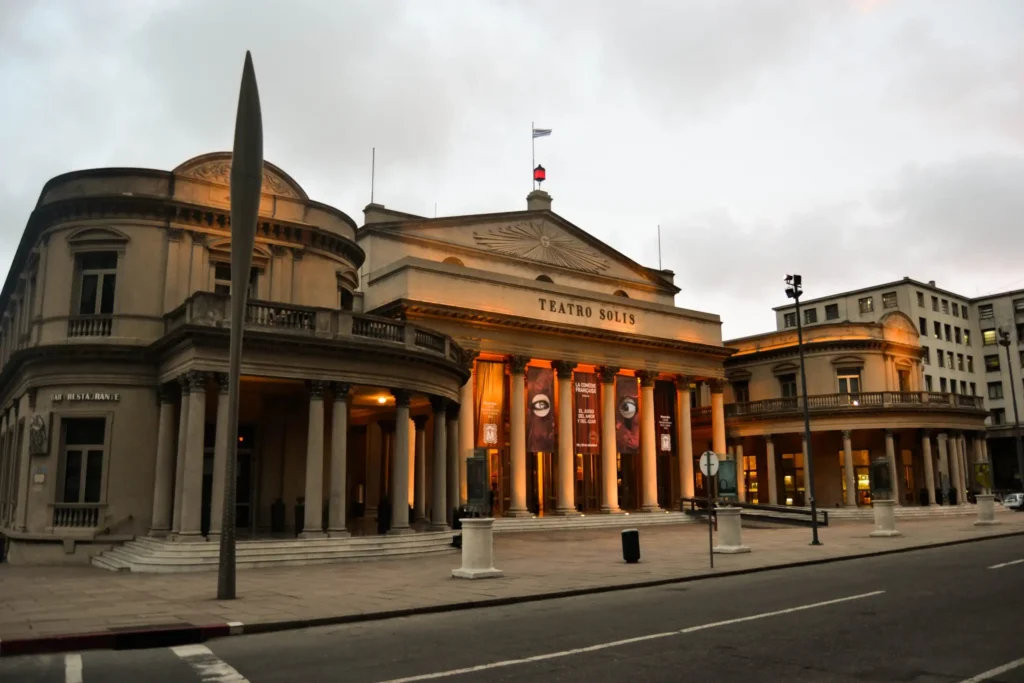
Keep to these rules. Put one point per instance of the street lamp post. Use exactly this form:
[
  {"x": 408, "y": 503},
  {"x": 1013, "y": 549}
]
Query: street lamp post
[
  {"x": 246, "y": 185},
  {"x": 1004, "y": 341},
  {"x": 794, "y": 289}
]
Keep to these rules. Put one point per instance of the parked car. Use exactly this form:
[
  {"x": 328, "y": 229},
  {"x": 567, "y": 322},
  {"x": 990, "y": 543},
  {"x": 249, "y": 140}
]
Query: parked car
[{"x": 1014, "y": 501}]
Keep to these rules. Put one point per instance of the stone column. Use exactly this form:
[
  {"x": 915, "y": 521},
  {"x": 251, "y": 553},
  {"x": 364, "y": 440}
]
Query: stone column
[
  {"x": 179, "y": 459},
  {"x": 220, "y": 458},
  {"x": 609, "y": 467},
  {"x": 929, "y": 466},
  {"x": 337, "y": 505},
  {"x": 313, "y": 524},
  {"x": 890, "y": 455},
  {"x": 163, "y": 481},
  {"x": 943, "y": 439},
  {"x": 453, "y": 415},
  {"x": 741, "y": 475},
  {"x": 517, "y": 438},
  {"x": 419, "y": 495},
  {"x": 400, "y": 465},
  {"x": 374, "y": 454},
  {"x": 967, "y": 461},
  {"x": 773, "y": 482},
  {"x": 848, "y": 473},
  {"x": 439, "y": 488},
  {"x": 717, "y": 416},
  {"x": 648, "y": 438},
  {"x": 467, "y": 427},
  {"x": 20, "y": 454},
  {"x": 566, "y": 500},
  {"x": 684, "y": 433},
  {"x": 956, "y": 465},
  {"x": 192, "y": 491}
]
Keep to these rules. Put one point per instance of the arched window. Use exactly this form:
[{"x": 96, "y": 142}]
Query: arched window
[
  {"x": 545, "y": 278},
  {"x": 451, "y": 260},
  {"x": 619, "y": 292}
]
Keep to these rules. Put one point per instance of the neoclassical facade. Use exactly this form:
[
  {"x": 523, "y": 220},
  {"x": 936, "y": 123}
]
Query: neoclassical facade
[{"x": 867, "y": 400}]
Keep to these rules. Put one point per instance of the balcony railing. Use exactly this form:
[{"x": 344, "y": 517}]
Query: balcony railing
[
  {"x": 213, "y": 310},
  {"x": 76, "y": 515},
  {"x": 90, "y": 326},
  {"x": 869, "y": 400}
]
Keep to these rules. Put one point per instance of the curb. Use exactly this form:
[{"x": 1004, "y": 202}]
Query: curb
[{"x": 191, "y": 634}]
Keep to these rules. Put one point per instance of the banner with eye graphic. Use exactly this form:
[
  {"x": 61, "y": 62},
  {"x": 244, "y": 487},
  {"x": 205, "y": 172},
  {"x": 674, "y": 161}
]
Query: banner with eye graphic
[
  {"x": 627, "y": 415},
  {"x": 540, "y": 410}
]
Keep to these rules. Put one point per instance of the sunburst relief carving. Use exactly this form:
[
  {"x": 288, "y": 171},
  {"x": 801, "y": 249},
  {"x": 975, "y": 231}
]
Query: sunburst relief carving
[
  {"x": 220, "y": 172},
  {"x": 535, "y": 241}
]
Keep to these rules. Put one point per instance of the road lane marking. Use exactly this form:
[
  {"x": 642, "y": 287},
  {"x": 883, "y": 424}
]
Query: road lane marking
[
  {"x": 73, "y": 668},
  {"x": 626, "y": 641},
  {"x": 992, "y": 673},
  {"x": 1005, "y": 564},
  {"x": 210, "y": 667}
]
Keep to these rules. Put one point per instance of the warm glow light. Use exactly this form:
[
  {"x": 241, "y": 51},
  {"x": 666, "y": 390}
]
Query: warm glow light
[
  {"x": 241, "y": 439},
  {"x": 382, "y": 399}
]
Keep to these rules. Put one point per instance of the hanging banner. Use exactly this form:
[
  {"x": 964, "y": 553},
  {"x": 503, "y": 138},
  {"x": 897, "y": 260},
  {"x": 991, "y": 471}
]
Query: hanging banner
[
  {"x": 540, "y": 410},
  {"x": 489, "y": 396},
  {"x": 664, "y": 410},
  {"x": 627, "y": 415},
  {"x": 588, "y": 435}
]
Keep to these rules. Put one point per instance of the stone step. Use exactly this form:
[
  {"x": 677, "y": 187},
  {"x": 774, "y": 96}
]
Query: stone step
[
  {"x": 594, "y": 521},
  {"x": 354, "y": 541},
  {"x": 172, "y": 550},
  {"x": 110, "y": 563}
]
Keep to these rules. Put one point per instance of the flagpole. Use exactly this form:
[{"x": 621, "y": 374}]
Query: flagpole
[
  {"x": 659, "y": 246},
  {"x": 533, "y": 155}
]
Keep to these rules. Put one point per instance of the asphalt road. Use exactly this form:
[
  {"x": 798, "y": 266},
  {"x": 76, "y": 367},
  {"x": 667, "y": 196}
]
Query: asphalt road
[{"x": 934, "y": 615}]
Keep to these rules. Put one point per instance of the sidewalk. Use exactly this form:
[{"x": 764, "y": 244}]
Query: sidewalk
[{"x": 43, "y": 603}]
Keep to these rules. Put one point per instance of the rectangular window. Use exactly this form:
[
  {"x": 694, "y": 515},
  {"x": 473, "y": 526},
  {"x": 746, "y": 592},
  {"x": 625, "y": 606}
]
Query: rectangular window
[
  {"x": 922, "y": 325},
  {"x": 849, "y": 381},
  {"x": 974, "y": 389},
  {"x": 949, "y": 359},
  {"x": 928, "y": 382},
  {"x": 963, "y": 387},
  {"x": 949, "y": 333},
  {"x": 1020, "y": 332},
  {"x": 937, "y": 327},
  {"x": 920, "y": 299},
  {"x": 1018, "y": 305},
  {"x": 889, "y": 300},
  {"x": 741, "y": 391},
  {"x": 988, "y": 337},
  {"x": 963, "y": 310},
  {"x": 956, "y": 310},
  {"x": 942, "y": 384},
  {"x": 832, "y": 312},
  {"x": 1022, "y": 359},
  {"x": 952, "y": 386},
  {"x": 960, "y": 362},
  {"x": 927, "y": 357},
  {"x": 935, "y": 303},
  {"x": 82, "y": 460},
  {"x": 945, "y": 305},
  {"x": 789, "y": 320},
  {"x": 788, "y": 385},
  {"x": 97, "y": 280},
  {"x": 995, "y": 390},
  {"x": 810, "y": 316},
  {"x": 222, "y": 280},
  {"x": 867, "y": 304},
  {"x": 992, "y": 363},
  {"x": 967, "y": 336},
  {"x": 970, "y": 363},
  {"x": 940, "y": 358},
  {"x": 985, "y": 312},
  {"x": 998, "y": 416},
  {"x": 957, "y": 337}
]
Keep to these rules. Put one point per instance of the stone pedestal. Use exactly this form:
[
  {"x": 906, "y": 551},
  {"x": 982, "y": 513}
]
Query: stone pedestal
[
  {"x": 730, "y": 541},
  {"x": 477, "y": 550},
  {"x": 885, "y": 519},
  {"x": 986, "y": 510}
]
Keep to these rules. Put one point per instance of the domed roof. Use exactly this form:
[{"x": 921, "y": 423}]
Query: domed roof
[{"x": 215, "y": 167}]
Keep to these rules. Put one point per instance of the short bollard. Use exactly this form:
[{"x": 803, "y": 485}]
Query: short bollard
[
  {"x": 631, "y": 546},
  {"x": 730, "y": 541},
  {"x": 885, "y": 519},
  {"x": 477, "y": 550},
  {"x": 986, "y": 510}
]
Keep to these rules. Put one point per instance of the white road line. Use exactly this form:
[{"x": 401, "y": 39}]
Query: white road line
[
  {"x": 210, "y": 667},
  {"x": 1005, "y": 564},
  {"x": 627, "y": 641},
  {"x": 992, "y": 673},
  {"x": 73, "y": 668}
]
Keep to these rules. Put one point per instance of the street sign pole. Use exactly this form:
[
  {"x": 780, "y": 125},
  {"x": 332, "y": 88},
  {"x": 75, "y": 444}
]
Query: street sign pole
[
  {"x": 711, "y": 533},
  {"x": 709, "y": 468}
]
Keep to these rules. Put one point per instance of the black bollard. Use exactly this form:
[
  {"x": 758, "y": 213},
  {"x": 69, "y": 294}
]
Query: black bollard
[{"x": 631, "y": 545}]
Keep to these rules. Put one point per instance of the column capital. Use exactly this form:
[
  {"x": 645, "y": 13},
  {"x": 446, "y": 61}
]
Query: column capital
[
  {"x": 420, "y": 421},
  {"x": 439, "y": 404},
  {"x": 942, "y": 436},
  {"x": 888, "y": 433},
  {"x": 183, "y": 385},
  {"x": 607, "y": 373},
  {"x": 717, "y": 385},
  {"x": 316, "y": 389},
  {"x": 197, "y": 380},
  {"x": 467, "y": 357},
  {"x": 926, "y": 433},
  {"x": 402, "y": 397},
  {"x": 564, "y": 368},
  {"x": 341, "y": 390},
  {"x": 646, "y": 377},
  {"x": 167, "y": 392},
  {"x": 684, "y": 382},
  {"x": 517, "y": 364},
  {"x": 768, "y": 438},
  {"x": 846, "y": 434},
  {"x": 222, "y": 381}
]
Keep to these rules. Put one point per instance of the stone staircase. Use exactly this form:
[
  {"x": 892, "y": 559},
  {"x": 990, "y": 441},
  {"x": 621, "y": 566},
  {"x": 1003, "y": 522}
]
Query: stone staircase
[
  {"x": 589, "y": 521},
  {"x": 155, "y": 555},
  {"x": 867, "y": 514}
]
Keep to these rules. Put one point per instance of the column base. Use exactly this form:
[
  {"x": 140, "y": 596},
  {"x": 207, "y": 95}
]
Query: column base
[
  {"x": 402, "y": 531},
  {"x": 338, "y": 533},
  {"x": 651, "y": 508},
  {"x": 439, "y": 527},
  {"x": 159, "y": 533},
  {"x": 987, "y": 522},
  {"x": 477, "y": 573},
  {"x": 312, "y": 534},
  {"x": 567, "y": 512},
  {"x": 610, "y": 510},
  {"x": 188, "y": 537},
  {"x": 519, "y": 513},
  {"x": 213, "y": 537},
  {"x": 731, "y": 549},
  {"x": 885, "y": 533}
]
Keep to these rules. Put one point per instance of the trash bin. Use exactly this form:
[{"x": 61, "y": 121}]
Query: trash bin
[{"x": 631, "y": 545}]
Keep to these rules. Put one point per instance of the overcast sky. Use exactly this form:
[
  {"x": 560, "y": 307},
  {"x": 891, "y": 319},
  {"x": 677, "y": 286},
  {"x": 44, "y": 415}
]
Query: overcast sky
[{"x": 853, "y": 141}]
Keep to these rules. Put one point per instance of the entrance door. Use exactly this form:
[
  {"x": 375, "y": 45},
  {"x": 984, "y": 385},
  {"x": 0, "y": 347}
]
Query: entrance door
[
  {"x": 244, "y": 480},
  {"x": 532, "y": 492},
  {"x": 588, "y": 485},
  {"x": 664, "y": 481},
  {"x": 629, "y": 481}
]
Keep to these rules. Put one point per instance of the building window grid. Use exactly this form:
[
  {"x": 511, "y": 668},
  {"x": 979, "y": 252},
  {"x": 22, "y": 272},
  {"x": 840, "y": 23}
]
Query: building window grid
[
  {"x": 957, "y": 336},
  {"x": 832, "y": 312},
  {"x": 889, "y": 300},
  {"x": 949, "y": 332},
  {"x": 998, "y": 416},
  {"x": 956, "y": 310},
  {"x": 985, "y": 312},
  {"x": 922, "y": 325},
  {"x": 789, "y": 319},
  {"x": 974, "y": 389},
  {"x": 945, "y": 306},
  {"x": 935, "y": 303},
  {"x": 970, "y": 363},
  {"x": 963, "y": 387},
  {"x": 940, "y": 358},
  {"x": 928, "y": 382},
  {"x": 995, "y": 390},
  {"x": 866, "y": 304},
  {"x": 97, "y": 282},
  {"x": 992, "y": 363},
  {"x": 810, "y": 316},
  {"x": 949, "y": 360},
  {"x": 988, "y": 337},
  {"x": 927, "y": 357},
  {"x": 920, "y": 299},
  {"x": 960, "y": 362}
]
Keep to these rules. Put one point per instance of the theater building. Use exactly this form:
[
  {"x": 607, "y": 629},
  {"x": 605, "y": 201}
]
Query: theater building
[{"x": 377, "y": 360}]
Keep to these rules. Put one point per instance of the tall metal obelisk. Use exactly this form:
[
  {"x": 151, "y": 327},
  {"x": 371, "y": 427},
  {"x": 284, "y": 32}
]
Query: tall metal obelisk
[{"x": 246, "y": 185}]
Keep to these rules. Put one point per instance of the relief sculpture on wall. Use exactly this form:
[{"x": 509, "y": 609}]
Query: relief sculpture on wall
[
  {"x": 38, "y": 443},
  {"x": 536, "y": 241}
]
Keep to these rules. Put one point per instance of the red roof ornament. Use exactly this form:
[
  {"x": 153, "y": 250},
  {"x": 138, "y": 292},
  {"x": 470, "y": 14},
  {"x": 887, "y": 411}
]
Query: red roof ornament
[{"x": 539, "y": 174}]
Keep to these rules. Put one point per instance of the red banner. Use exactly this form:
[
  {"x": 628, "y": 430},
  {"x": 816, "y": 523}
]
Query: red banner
[
  {"x": 588, "y": 435},
  {"x": 540, "y": 410},
  {"x": 490, "y": 398},
  {"x": 627, "y": 415}
]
